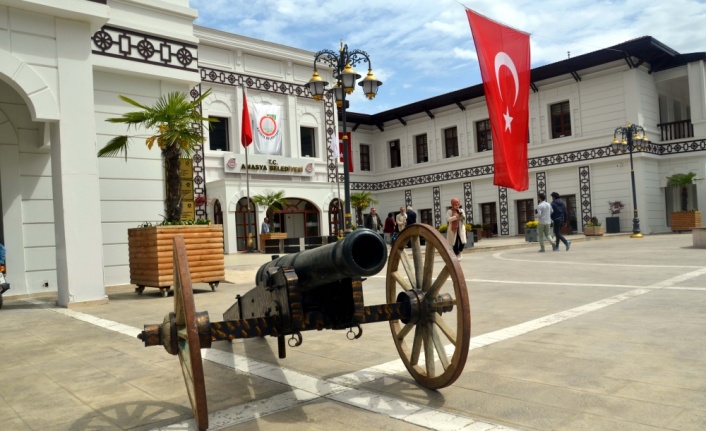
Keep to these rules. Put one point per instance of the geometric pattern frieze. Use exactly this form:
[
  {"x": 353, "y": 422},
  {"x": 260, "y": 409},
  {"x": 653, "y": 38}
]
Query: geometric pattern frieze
[
  {"x": 145, "y": 48},
  {"x": 535, "y": 162}
]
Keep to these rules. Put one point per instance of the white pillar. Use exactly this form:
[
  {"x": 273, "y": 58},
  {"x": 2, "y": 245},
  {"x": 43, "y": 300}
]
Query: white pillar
[
  {"x": 77, "y": 211},
  {"x": 697, "y": 97}
]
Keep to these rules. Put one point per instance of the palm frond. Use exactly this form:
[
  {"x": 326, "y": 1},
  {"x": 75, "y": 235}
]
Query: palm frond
[{"x": 115, "y": 146}]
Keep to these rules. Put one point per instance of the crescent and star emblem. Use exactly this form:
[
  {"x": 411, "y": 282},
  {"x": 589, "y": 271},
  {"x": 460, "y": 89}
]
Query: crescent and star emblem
[{"x": 502, "y": 59}]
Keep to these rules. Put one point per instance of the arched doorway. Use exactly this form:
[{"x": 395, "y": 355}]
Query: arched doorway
[
  {"x": 245, "y": 224},
  {"x": 334, "y": 217},
  {"x": 299, "y": 218}
]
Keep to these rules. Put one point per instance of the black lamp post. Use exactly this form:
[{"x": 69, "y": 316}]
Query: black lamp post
[
  {"x": 632, "y": 138},
  {"x": 342, "y": 63}
]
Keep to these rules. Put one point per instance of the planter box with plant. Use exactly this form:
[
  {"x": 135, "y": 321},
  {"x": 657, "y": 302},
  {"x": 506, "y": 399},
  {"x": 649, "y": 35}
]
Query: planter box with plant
[
  {"x": 612, "y": 223},
  {"x": 687, "y": 218},
  {"x": 593, "y": 228},
  {"x": 171, "y": 121},
  {"x": 531, "y": 231}
]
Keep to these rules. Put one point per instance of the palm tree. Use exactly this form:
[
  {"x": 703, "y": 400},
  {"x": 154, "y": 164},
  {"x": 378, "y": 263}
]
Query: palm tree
[
  {"x": 683, "y": 181},
  {"x": 360, "y": 201},
  {"x": 271, "y": 199},
  {"x": 174, "y": 117}
]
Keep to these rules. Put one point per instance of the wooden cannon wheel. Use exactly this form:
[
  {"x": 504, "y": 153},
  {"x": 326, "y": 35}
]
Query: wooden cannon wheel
[
  {"x": 188, "y": 335},
  {"x": 438, "y": 300}
]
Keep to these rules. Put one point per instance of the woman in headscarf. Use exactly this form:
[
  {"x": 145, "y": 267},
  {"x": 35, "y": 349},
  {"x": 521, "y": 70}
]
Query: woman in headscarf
[{"x": 456, "y": 232}]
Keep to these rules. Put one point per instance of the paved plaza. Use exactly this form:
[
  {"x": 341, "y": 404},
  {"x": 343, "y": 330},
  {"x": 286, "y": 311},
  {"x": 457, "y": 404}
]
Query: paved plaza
[{"x": 610, "y": 335}]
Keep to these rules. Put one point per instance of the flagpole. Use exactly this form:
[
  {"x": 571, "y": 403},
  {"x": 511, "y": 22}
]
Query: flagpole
[{"x": 249, "y": 242}]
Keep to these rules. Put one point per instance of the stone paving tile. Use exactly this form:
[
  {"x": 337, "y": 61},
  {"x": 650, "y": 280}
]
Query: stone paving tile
[{"x": 587, "y": 422}]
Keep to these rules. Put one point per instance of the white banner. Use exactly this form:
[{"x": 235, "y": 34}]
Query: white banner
[{"x": 268, "y": 126}]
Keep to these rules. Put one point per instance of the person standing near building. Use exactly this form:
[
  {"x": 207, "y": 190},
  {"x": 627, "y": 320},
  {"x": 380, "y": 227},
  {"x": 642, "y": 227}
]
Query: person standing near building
[
  {"x": 411, "y": 215},
  {"x": 389, "y": 228},
  {"x": 265, "y": 228},
  {"x": 456, "y": 230},
  {"x": 401, "y": 219},
  {"x": 559, "y": 217},
  {"x": 4, "y": 286},
  {"x": 373, "y": 221},
  {"x": 544, "y": 219}
]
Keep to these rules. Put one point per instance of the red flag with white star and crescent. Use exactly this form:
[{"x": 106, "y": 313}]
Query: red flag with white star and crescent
[{"x": 504, "y": 59}]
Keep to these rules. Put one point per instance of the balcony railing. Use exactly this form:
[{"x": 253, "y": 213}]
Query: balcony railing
[{"x": 676, "y": 130}]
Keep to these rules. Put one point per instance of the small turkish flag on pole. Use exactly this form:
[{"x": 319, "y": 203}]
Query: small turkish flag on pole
[
  {"x": 504, "y": 59},
  {"x": 246, "y": 127}
]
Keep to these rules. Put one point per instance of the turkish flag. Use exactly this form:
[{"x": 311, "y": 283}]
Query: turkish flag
[
  {"x": 246, "y": 126},
  {"x": 350, "y": 150},
  {"x": 504, "y": 58}
]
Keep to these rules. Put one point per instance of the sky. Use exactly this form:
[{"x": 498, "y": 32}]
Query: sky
[{"x": 424, "y": 48}]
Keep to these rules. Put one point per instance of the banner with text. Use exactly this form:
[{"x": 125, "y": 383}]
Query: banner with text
[{"x": 267, "y": 164}]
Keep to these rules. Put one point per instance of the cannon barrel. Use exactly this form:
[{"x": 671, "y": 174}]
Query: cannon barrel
[{"x": 361, "y": 253}]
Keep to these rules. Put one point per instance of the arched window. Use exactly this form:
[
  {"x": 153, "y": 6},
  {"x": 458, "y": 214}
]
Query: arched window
[
  {"x": 334, "y": 217},
  {"x": 217, "y": 212}
]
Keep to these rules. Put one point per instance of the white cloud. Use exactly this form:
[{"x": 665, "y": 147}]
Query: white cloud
[{"x": 414, "y": 42}]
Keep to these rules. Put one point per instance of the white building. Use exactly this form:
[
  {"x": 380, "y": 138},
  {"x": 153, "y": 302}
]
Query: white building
[{"x": 65, "y": 213}]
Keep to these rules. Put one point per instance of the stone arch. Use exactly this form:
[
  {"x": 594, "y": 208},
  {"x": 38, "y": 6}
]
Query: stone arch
[{"x": 29, "y": 84}]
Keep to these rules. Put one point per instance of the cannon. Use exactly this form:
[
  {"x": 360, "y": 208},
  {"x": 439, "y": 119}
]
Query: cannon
[{"x": 427, "y": 306}]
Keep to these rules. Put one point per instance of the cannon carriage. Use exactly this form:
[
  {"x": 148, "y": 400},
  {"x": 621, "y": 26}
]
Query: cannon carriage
[{"x": 427, "y": 306}]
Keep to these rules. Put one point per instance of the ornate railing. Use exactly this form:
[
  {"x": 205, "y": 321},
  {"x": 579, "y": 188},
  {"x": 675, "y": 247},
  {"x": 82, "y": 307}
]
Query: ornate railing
[{"x": 676, "y": 130}]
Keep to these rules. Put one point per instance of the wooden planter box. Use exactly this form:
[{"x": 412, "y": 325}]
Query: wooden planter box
[
  {"x": 593, "y": 230},
  {"x": 273, "y": 235},
  {"x": 152, "y": 260},
  {"x": 684, "y": 221}
]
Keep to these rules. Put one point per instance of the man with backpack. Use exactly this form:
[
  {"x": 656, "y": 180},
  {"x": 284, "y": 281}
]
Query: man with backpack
[{"x": 559, "y": 218}]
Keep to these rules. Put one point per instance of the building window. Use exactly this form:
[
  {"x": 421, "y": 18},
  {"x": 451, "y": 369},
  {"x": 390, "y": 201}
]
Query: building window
[
  {"x": 395, "y": 159},
  {"x": 421, "y": 148},
  {"x": 425, "y": 217},
  {"x": 218, "y": 134},
  {"x": 484, "y": 136},
  {"x": 308, "y": 141},
  {"x": 364, "y": 157},
  {"x": 451, "y": 142},
  {"x": 561, "y": 120}
]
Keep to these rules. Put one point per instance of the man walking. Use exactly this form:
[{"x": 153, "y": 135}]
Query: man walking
[
  {"x": 559, "y": 216},
  {"x": 544, "y": 219},
  {"x": 401, "y": 220}
]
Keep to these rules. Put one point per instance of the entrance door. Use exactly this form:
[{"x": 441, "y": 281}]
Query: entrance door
[
  {"x": 245, "y": 224},
  {"x": 571, "y": 225},
  {"x": 525, "y": 213},
  {"x": 490, "y": 216},
  {"x": 295, "y": 225}
]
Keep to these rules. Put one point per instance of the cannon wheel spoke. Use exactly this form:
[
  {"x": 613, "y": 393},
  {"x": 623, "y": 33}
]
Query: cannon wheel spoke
[
  {"x": 187, "y": 333},
  {"x": 431, "y": 363}
]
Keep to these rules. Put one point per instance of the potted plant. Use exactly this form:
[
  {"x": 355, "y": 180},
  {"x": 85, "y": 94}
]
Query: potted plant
[
  {"x": 360, "y": 201},
  {"x": 272, "y": 200},
  {"x": 612, "y": 223},
  {"x": 531, "y": 231},
  {"x": 487, "y": 231},
  {"x": 593, "y": 228},
  {"x": 687, "y": 218},
  {"x": 477, "y": 229},
  {"x": 171, "y": 119}
]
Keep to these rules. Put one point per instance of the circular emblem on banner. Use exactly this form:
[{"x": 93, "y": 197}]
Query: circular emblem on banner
[
  {"x": 268, "y": 126},
  {"x": 310, "y": 167},
  {"x": 231, "y": 163}
]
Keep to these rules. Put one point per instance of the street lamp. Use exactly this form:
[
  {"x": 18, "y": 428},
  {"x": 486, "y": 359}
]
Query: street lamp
[
  {"x": 342, "y": 63},
  {"x": 628, "y": 139}
]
